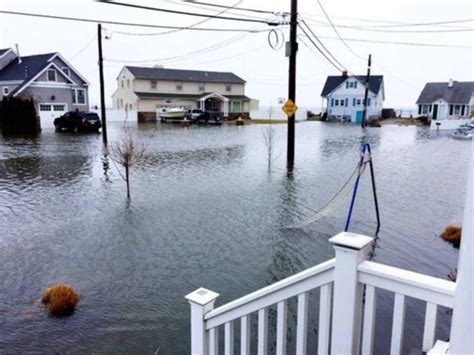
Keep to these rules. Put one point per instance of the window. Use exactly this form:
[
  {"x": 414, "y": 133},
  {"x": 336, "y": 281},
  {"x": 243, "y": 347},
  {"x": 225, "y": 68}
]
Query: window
[
  {"x": 51, "y": 75},
  {"x": 355, "y": 84},
  {"x": 128, "y": 83},
  {"x": 153, "y": 84},
  {"x": 201, "y": 87},
  {"x": 179, "y": 86},
  {"x": 359, "y": 102},
  {"x": 78, "y": 96},
  {"x": 336, "y": 102},
  {"x": 66, "y": 71},
  {"x": 235, "y": 106},
  {"x": 45, "y": 107},
  {"x": 5, "y": 91},
  {"x": 228, "y": 87},
  {"x": 457, "y": 109},
  {"x": 59, "y": 108},
  {"x": 424, "y": 109}
]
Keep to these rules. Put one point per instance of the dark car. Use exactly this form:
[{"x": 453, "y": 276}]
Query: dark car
[
  {"x": 78, "y": 121},
  {"x": 194, "y": 114},
  {"x": 210, "y": 116}
]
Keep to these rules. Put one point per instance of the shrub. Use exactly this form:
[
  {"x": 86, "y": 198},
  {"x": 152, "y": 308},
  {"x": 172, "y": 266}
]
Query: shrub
[
  {"x": 452, "y": 234},
  {"x": 60, "y": 299},
  {"x": 18, "y": 116}
]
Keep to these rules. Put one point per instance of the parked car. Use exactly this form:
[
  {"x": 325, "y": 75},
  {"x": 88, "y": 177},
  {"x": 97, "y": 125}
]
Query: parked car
[
  {"x": 78, "y": 121},
  {"x": 210, "y": 116},
  {"x": 194, "y": 114}
]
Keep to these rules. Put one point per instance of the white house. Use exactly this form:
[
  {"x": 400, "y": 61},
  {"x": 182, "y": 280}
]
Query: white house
[
  {"x": 343, "y": 97},
  {"x": 447, "y": 104}
]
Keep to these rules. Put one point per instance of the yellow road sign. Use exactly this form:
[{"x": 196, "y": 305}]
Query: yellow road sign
[{"x": 289, "y": 108}]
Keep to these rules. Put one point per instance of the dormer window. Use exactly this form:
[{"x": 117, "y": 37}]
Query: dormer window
[
  {"x": 66, "y": 71},
  {"x": 52, "y": 75},
  {"x": 179, "y": 86},
  {"x": 228, "y": 87}
]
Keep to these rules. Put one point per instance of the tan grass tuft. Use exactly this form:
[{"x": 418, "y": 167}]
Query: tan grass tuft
[
  {"x": 60, "y": 299},
  {"x": 452, "y": 234}
]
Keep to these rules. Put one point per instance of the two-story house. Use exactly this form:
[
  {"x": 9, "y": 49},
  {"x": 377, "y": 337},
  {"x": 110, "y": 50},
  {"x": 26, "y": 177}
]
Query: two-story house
[
  {"x": 54, "y": 85},
  {"x": 147, "y": 90},
  {"x": 343, "y": 97}
]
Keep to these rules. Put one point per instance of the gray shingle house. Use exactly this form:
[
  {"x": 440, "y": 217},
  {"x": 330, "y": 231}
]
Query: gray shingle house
[
  {"x": 448, "y": 100},
  {"x": 146, "y": 90},
  {"x": 54, "y": 85}
]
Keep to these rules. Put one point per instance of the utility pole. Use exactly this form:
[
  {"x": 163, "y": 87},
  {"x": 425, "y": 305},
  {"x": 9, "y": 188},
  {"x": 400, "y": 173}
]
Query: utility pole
[
  {"x": 102, "y": 89},
  {"x": 366, "y": 96},
  {"x": 292, "y": 82}
]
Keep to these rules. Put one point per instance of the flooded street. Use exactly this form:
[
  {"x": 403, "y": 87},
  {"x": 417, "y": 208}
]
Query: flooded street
[{"x": 206, "y": 210}]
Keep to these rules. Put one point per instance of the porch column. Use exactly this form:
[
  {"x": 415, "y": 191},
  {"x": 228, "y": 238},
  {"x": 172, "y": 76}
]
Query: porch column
[
  {"x": 201, "y": 301},
  {"x": 351, "y": 249},
  {"x": 226, "y": 108},
  {"x": 462, "y": 327}
]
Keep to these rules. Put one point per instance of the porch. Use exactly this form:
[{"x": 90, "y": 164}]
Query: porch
[{"x": 347, "y": 287}]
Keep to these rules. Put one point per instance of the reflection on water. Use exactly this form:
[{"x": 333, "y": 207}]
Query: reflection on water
[{"x": 206, "y": 211}]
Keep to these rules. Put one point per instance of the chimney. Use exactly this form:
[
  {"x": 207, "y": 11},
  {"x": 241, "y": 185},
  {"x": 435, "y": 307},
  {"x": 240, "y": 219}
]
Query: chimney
[
  {"x": 451, "y": 82},
  {"x": 344, "y": 73},
  {"x": 18, "y": 53}
]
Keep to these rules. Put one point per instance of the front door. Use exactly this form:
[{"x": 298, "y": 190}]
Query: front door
[
  {"x": 359, "y": 116},
  {"x": 435, "y": 112}
]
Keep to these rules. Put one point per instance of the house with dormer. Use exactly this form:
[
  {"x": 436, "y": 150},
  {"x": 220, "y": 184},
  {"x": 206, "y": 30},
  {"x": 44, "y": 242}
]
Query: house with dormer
[
  {"x": 148, "y": 89},
  {"x": 53, "y": 83},
  {"x": 343, "y": 97}
]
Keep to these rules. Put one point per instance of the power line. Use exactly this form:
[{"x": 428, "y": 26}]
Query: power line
[
  {"x": 373, "y": 29},
  {"x": 336, "y": 31},
  {"x": 92, "y": 40},
  {"x": 143, "y": 7},
  {"x": 321, "y": 43},
  {"x": 417, "y": 44},
  {"x": 319, "y": 50},
  {"x": 79, "y": 19},
  {"x": 237, "y": 8}
]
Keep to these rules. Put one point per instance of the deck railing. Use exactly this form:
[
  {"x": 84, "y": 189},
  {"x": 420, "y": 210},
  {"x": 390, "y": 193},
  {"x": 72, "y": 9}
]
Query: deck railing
[{"x": 353, "y": 320}]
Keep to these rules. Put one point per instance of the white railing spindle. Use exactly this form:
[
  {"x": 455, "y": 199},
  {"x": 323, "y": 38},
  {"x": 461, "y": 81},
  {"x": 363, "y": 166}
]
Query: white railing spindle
[
  {"x": 282, "y": 317},
  {"x": 302, "y": 324},
  {"x": 262, "y": 332},
  {"x": 214, "y": 341},
  {"x": 229, "y": 338},
  {"x": 430, "y": 326},
  {"x": 324, "y": 319},
  {"x": 398, "y": 323},
  {"x": 245, "y": 335},
  {"x": 369, "y": 320}
]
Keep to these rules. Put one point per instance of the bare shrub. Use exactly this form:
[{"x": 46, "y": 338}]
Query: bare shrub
[
  {"x": 127, "y": 153},
  {"x": 268, "y": 134},
  {"x": 60, "y": 299}
]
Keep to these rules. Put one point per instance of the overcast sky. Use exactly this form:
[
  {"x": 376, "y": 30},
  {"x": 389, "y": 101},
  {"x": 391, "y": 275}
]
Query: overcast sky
[{"x": 406, "y": 68}]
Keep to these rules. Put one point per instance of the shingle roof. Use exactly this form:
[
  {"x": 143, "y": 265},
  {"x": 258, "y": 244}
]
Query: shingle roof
[
  {"x": 185, "y": 75},
  {"x": 333, "y": 82},
  {"x": 460, "y": 93},
  {"x": 3, "y": 50},
  {"x": 18, "y": 71}
]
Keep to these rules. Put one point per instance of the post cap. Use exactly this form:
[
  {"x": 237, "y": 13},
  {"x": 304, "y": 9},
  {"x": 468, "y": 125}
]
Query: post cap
[
  {"x": 202, "y": 296},
  {"x": 351, "y": 240}
]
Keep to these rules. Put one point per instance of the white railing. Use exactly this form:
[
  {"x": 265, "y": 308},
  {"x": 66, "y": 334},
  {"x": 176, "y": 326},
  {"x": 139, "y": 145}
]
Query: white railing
[
  {"x": 436, "y": 292},
  {"x": 341, "y": 281}
]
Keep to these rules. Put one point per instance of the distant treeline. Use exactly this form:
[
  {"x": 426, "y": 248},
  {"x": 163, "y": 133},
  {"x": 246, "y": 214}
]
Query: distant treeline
[{"x": 18, "y": 116}]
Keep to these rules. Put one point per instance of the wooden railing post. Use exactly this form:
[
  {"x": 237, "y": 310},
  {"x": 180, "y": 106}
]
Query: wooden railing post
[
  {"x": 201, "y": 301},
  {"x": 351, "y": 249}
]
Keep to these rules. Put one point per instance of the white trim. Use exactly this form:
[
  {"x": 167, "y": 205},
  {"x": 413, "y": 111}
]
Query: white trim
[
  {"x": 76, "y": 103},
  {"x": 213, "y": 94},
  {"x": 50, "y": 84},
  {"x": 10, "y": 82},
  {"x": 57, "y": 55},
  {"x": 8, "y": 51},
  {"x": 55, "y": 74},
  {"x": 39, "y": 74},
  {"x": 52, "y": 104}
]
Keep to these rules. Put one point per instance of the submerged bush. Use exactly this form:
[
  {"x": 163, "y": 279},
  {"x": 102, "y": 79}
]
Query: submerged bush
[
  {"x": 452, "y": 234},
  {"x": 60, "y": 300}
]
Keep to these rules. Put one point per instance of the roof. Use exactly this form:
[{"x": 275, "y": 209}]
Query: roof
[
  {"x": 460, "y": 93},
  {"x": 34, "y": 63},
  {"x": 185, "y": 75},
  {"x": 332, "y": 82},
  {"x": 157, "y": 96},
  {"x": 3, "y": 51}
]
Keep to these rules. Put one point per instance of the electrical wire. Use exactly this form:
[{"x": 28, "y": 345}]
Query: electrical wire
[
  {"x": 177, "y": 12},
  {"x": 319, "y": 49},
  {"x": 92, "y": 40},
  {"x": 417, "y": 44},
  {"x": 237, "y": 8},
  {"x": 81, "y": 19}
]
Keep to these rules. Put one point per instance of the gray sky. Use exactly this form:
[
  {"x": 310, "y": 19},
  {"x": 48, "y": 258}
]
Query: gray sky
[{"x": 406, "y": 68}]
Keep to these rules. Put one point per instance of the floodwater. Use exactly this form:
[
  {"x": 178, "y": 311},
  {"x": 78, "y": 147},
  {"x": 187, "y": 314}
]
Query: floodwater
[{"x": 206, "y": 210}]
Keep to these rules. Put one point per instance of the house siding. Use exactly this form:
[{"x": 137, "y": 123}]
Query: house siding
[{"x": 61, "y": 96}]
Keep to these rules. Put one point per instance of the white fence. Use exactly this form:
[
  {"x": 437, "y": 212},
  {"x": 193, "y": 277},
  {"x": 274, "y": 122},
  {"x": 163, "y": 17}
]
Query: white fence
[{"x": 352, "y": 322}]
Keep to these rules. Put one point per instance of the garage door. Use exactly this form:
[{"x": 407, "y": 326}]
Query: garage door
[{"x": 48, "y": 112}]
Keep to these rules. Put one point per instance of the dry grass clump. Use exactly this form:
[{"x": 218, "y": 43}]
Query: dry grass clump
[
  {"x": 452, "y": 234},
  {"x": 60, "y": 299}
]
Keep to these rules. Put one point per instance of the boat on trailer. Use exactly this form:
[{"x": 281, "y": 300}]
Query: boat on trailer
[
  {"x": 463, "y": 133},
  {"x": 171, "y": 114}
]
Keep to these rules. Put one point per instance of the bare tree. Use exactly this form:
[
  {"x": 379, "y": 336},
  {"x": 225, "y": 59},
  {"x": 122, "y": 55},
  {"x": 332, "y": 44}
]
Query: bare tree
[
  {"x": 127, "y": 153},
  {"x": 268, "y": 133},
  {"x": 270, "y": 112}
]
